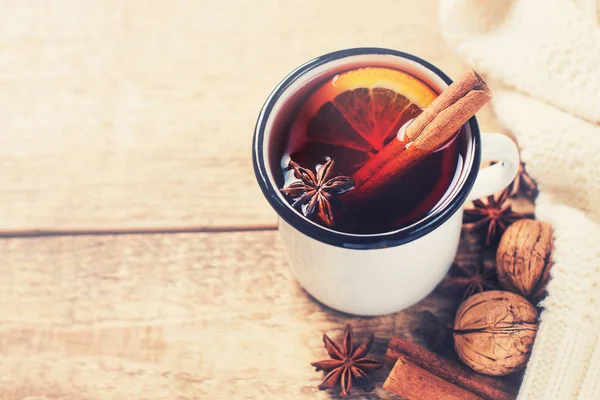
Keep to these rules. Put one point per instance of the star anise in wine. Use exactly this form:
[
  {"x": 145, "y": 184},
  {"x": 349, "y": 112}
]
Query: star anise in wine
[
  {"x": 468, "y": 280},
  {"x": 492, "y": 216},
  {"x": 315, "y": 193},
  {"x": 348, "y": 366}
]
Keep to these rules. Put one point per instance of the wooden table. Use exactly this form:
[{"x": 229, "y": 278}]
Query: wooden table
[{"x": 139, "y": 259}]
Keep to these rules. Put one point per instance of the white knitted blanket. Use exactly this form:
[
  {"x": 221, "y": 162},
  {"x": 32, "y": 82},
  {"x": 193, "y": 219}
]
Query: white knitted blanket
[{"x": 545, "y": 55}]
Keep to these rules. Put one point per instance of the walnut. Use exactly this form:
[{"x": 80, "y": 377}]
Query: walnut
[
  {"x": 494, "y": 332},
  {"x": 524, "y": 258}
]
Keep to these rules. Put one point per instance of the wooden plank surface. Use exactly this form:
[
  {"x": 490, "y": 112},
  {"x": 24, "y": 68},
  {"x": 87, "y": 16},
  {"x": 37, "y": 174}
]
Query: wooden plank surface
[
  {"x": 186, "y": 316},
  {"x": 137, "y": 115}
]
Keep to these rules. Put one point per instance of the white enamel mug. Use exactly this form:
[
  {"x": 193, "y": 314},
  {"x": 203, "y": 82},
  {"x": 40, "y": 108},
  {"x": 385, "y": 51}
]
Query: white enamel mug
[{"x": 374, "y": 274}]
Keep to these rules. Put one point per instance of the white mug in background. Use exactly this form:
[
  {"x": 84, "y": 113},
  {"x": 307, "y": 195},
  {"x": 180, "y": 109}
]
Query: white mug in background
[{"x": 374, "y": 274}]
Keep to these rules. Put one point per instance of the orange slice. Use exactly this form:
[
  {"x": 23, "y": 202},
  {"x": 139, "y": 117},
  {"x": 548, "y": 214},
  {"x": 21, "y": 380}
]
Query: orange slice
[{"x": 362, "y": 109}]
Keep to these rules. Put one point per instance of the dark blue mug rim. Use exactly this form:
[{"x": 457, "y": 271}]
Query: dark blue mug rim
[{"x": 343, "y": 239}]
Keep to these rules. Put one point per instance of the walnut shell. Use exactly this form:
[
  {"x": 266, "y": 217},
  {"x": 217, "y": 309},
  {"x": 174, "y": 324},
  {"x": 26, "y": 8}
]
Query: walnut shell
[
  {"x": 494, "y": 332},
  {"x": 524, "y": 258}
]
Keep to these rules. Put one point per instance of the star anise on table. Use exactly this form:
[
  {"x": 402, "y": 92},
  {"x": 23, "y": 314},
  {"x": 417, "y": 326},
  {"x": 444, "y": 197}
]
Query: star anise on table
[
  {"x": 492, "y": 216},
  {"x": 348, "y": 365},
  {"x": 435, "y": 330},
  {"x": 315, "y": 193},
  {"x": 470, "y": 279},
  {"x": 524, "y": 184}
]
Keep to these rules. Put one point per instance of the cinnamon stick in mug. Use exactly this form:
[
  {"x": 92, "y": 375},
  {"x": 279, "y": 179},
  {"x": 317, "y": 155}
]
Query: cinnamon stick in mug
[{"x": 428, "y": 132}]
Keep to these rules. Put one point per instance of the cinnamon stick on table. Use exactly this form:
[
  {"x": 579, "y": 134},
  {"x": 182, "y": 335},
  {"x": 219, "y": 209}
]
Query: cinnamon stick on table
[
  {"x": 428, "y": 132},
  {"x": 484, "y": 386},
  {"x": 415, "y": 383}
]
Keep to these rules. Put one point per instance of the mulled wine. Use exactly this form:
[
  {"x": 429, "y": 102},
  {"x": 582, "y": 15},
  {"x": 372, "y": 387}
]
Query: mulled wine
[{"x": 346, "y": 121}]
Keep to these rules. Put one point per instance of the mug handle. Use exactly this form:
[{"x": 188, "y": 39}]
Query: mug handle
[{"x": 500, "y": 148}]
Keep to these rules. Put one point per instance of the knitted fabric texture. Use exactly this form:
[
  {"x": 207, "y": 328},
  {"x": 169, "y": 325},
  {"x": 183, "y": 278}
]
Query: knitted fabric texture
[{"x": 544, "y": 56}]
